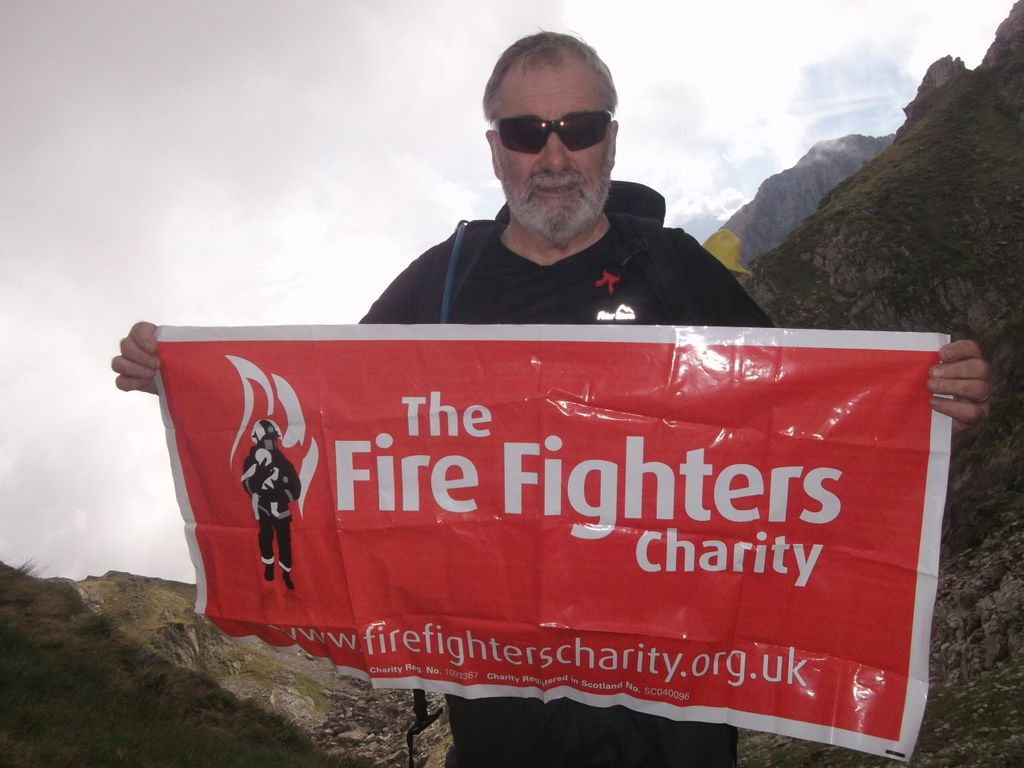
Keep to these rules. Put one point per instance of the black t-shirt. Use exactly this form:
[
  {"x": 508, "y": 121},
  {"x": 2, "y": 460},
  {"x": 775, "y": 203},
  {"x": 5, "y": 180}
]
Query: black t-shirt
[
  {"x": 614, "y": 281},
  {"x": 585, "y": 288}
]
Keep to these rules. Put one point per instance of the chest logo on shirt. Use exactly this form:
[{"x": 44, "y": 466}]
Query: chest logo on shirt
[
  {"x": 622, "y": 312},
  {"x": 607, "y": 278}
]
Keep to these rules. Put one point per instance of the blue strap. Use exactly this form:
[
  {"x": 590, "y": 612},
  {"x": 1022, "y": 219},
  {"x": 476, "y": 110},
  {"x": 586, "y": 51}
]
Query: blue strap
[{"x": 449, "y": 278}]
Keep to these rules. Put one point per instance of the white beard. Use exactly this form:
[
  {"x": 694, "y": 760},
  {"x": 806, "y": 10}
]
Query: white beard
[{"x": 559, "y": 221}]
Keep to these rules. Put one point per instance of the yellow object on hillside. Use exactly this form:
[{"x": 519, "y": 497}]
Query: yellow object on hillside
[{"x": 725, "y": 246}]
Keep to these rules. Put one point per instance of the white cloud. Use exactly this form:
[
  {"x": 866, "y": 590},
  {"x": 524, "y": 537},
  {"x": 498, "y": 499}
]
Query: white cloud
[
  {"x": 719, "y": 206},
  {"x": 251, "y": 162},
  {"x": 735, "y": 74}
]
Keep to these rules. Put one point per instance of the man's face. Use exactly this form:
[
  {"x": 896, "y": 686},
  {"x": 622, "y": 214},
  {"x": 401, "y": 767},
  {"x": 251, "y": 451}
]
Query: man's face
[{"x": 556, "y": 194}]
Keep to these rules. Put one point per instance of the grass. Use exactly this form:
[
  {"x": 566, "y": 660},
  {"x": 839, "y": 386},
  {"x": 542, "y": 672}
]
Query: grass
[
  {"x": 75, "y": 692},
  {"x": 975, "y": 724},
  {"x": 940, "y": 207}
]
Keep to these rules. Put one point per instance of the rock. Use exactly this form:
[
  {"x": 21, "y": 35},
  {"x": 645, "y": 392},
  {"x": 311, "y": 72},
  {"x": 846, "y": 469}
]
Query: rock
[
  {"x": 1009, "y": 38},
  {"x": 938, "y": 74},
  {"x": 297, "y": 707},
  {"x": 354, "y": 734}
]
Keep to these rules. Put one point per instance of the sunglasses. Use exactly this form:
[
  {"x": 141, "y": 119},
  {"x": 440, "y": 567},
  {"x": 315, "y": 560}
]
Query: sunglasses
[{"x": 577, "y": 130}]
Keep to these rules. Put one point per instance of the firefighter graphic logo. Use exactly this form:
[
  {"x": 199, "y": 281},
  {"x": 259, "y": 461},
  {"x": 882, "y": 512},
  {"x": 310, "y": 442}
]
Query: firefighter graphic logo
[
  {"x": 275, "y": 489},
  {"x": 273, "y": 485}
]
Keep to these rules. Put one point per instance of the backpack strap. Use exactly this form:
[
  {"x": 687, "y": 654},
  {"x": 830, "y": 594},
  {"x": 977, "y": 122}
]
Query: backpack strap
[
  {"x": 467, "y": 247},
  {"x": 453, "y": 261},
  {"x": 424, "y": 718}
]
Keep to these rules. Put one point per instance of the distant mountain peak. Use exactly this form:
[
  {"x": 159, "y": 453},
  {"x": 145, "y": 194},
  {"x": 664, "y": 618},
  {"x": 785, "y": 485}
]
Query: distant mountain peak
[
  {"x": 787, "y": 198},
  {"x": 827, "y": 150}
]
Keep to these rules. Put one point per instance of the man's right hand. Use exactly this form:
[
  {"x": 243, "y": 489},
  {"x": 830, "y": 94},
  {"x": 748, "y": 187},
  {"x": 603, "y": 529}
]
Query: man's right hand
[{"x": 137, "y": 364}]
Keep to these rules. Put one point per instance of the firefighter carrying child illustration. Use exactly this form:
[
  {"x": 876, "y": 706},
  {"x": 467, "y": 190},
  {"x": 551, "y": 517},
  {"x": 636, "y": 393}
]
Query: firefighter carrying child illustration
[{"x": 272, "y": 484}]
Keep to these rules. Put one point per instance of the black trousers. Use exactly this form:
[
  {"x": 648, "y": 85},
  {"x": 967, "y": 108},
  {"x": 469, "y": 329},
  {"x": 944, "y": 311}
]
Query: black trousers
[
  {"x": 512, "y": 733},
  {"x": 281, "y": 528}
]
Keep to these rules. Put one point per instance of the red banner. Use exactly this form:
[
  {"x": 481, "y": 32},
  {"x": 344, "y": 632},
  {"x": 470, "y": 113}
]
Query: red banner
[{"x": 704, "y": 524}]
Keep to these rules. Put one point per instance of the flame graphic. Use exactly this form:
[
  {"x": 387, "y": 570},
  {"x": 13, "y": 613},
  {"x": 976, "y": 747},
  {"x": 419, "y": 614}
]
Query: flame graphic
[{"x": 276, "y": 390}]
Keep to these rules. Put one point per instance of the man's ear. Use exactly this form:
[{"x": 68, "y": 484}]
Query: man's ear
[{"x": 494, "y": 141}]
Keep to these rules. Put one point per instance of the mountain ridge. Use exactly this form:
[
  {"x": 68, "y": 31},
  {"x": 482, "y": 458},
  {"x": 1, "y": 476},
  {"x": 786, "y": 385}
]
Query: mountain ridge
[
  {"x": 338, "y": 713},
  {"x": 787, "y": 198},
  {"x": 929, "y": 236}
]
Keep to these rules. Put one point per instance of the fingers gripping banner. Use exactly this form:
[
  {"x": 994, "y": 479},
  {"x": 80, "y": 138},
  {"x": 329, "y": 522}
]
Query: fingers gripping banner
[{"x": 703, "y": 524}]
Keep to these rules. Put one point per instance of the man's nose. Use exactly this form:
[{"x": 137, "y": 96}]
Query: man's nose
[{"x": 554, "y": 156}]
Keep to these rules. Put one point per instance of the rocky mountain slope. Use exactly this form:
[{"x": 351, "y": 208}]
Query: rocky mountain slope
[
  {"x": 787, "y": 198},
  {"x": 341, "y": 715},
  {"x": 75, "y": 691},
  {"x": 929, "y": 236}
]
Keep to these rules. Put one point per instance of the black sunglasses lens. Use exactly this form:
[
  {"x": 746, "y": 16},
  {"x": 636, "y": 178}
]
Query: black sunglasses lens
[
  {"x": 583, "y": 130},
  {"x": 530, "y": 134},
  {"x": 523, "y": 134}
]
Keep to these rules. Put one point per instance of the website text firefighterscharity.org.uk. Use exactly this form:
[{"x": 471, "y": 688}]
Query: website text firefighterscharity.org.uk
[{"x": 455, "y": 649}]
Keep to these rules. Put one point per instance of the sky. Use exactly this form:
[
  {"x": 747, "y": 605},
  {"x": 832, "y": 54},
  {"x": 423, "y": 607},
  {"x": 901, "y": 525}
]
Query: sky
[{"x": 246, "y": 162}]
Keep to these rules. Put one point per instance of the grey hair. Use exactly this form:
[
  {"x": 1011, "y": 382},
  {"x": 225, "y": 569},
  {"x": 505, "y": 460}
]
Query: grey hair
[{"x": 548, "y": 48}]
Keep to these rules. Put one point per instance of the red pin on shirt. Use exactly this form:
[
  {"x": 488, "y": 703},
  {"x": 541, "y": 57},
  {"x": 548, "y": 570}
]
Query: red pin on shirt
[{"x": 607, "y": 278}]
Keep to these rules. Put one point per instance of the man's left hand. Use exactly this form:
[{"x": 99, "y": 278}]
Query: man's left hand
[{"x": 965, "y": 378}]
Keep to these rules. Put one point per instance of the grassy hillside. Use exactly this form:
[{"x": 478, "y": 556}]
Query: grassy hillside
[
  {"x": 76, "y": 692},
  {"x": 976, "y": 725},
  {"x": 929, "y": 236},
  {"x": 159, "y": 615}
]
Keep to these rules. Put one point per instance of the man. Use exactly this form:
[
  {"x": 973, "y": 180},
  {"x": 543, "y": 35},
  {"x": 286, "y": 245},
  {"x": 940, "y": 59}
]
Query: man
[{"x": 562, "y": 259}]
